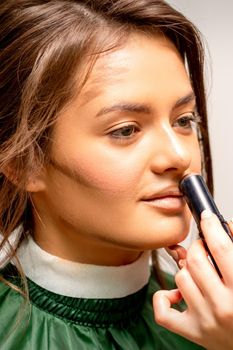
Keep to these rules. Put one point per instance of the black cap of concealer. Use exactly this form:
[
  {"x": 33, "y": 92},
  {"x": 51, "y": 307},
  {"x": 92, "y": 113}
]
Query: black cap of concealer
[{"x": 198, "y": 198}]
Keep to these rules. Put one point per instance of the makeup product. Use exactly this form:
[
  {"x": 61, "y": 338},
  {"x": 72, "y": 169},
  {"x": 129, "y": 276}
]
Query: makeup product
[{"x": 198, "y": 198}]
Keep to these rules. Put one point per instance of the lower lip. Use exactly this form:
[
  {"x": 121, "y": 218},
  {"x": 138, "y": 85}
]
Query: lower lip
[{"x": 169, "y": 204}]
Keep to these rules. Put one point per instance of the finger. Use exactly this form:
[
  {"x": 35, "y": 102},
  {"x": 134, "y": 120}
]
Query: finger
[
  {"x": 177, "y": 252},
  {"x": 190, "y": 291},
  {"x": 202, "y": 272},
  {"x": 219, "y": 243},
  {"x": 230, "y": 224},
  {"x": 174, "y": 320},
  {"x": 164, "y": 314},
  {"x": 182, "y": 263}
]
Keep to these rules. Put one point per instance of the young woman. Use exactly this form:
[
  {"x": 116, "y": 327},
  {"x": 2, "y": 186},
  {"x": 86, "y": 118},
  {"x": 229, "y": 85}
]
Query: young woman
[{"x": 99, "y": 120}]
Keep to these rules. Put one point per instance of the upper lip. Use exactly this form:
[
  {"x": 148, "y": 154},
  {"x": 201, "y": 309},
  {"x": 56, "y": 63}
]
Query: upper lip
[{"x": 165, "y": 192}]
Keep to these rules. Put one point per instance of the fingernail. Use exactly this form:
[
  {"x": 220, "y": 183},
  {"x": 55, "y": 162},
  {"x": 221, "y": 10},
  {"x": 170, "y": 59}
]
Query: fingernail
[
  {"x": 182, "y": 263},
  {"x": 206, "y": 214}
]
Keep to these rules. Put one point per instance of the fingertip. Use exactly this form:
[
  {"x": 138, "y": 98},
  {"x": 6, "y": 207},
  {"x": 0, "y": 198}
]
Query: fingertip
[
  {"x": 167, "y": 297},
  {"x": 182, "y": 263},
  {"x": 208, "y": 219},
  {"x": 207, "y": 214},
  {"x": 177, "y": 252}
]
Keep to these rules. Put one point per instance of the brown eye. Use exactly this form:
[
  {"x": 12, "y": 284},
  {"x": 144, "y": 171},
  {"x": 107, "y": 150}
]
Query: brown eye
[
  {"x": 187, "y": 121},
  {"x": 125, "y": 132}
]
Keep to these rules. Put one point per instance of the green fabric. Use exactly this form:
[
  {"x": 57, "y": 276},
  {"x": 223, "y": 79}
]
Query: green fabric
[{"x": 55, "y": 322}]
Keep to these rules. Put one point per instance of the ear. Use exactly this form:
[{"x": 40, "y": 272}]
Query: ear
[{"x": 35, "y": 183}]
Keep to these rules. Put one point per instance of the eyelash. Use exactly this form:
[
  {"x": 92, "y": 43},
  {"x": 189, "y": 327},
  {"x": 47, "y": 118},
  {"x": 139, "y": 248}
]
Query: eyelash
[
  {"x": 115, "y": 133},
  {"x": 191, "y": 118}
]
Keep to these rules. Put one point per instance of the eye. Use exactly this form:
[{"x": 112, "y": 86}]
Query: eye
[
  {"x": 125, "y": 132},
  {"x": 187, "y": 121}
]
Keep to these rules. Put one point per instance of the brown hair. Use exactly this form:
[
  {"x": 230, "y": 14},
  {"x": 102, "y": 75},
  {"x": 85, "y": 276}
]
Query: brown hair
[{"x": 44, "y": 43}]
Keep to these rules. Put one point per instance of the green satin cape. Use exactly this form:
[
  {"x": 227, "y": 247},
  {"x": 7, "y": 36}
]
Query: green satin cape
[{"x": 55, "y": 322}]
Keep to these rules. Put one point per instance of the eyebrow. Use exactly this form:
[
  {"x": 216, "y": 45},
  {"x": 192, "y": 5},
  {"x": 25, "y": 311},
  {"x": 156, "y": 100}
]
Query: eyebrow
[
  {"x": 185, "y": 100},
  {"x": 143, "y": 108},
  {"x": 126, "y": 107}
]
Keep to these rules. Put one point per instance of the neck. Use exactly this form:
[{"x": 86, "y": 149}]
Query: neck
[{"x": 86, "y": 249}]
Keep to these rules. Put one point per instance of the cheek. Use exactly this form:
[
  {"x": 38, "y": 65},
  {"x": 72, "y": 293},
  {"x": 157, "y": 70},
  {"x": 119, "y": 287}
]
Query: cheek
[
  {"x": 196, "y": 162},
  {"x": 107, "y": 173}
]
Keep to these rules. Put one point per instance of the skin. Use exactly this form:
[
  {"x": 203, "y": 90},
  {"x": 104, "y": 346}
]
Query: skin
[{"x": 105, "y": 159}]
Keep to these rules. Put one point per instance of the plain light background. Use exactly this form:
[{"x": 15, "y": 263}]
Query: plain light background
[{"x": 215, "y": 21}]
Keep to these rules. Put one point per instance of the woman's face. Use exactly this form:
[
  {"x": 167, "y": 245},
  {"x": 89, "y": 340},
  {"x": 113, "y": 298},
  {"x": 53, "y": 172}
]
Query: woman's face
[{"x": 119, "y": 151}]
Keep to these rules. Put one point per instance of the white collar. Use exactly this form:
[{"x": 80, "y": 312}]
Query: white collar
[{"x": 82, "y": 280}]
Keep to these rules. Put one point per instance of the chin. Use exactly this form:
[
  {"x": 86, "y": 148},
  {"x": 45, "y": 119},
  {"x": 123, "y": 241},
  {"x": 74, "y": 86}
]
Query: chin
[
  {"x": 165, "y": 234},
  {"x": 152, "y": 241}
]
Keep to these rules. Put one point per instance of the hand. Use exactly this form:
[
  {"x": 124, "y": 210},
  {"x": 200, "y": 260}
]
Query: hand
[{"x": 208, "y": 319}]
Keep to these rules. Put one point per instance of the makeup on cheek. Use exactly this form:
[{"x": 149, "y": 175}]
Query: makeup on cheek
[
  {"x": 109, "y": 178},
  {"x": 198, "y": 198}
]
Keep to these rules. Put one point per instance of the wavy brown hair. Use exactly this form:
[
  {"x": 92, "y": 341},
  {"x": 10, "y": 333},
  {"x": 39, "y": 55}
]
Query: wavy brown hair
[{"x": 44, "y": 46}]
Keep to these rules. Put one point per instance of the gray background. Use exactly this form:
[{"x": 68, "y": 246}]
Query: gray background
[{"x": 215, "y": 21}]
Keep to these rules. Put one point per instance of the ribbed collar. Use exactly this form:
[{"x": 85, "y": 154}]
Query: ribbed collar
[{"x": 78, "y": 280}]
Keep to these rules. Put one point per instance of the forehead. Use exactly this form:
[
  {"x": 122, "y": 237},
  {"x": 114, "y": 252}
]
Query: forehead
[{"x": 140, "y": 58}]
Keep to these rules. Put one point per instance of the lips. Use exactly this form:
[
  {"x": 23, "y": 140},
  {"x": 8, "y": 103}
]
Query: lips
[
  {"x": 162, "y": 194},
  {"x": 169, "y": 200}
]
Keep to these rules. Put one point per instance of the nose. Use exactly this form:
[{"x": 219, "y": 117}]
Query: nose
[{"x": 171, "y": 152}]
